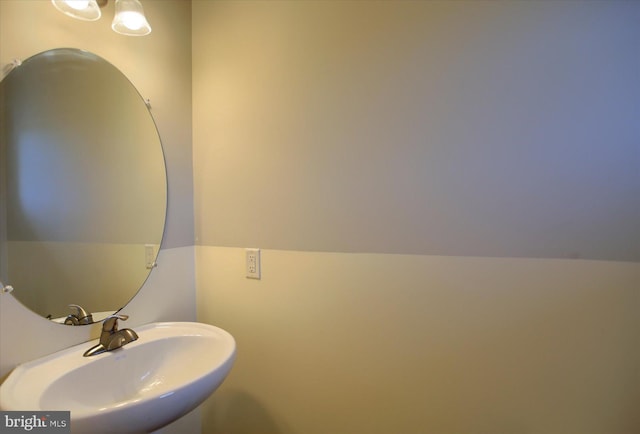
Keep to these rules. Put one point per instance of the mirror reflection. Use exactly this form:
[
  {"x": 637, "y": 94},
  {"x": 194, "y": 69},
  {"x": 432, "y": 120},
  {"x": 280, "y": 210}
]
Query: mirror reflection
[{"x": 82, "y": 185}]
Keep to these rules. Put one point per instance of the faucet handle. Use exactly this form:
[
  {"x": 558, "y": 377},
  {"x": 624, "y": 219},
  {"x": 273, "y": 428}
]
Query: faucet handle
[{"x": 110, "y": 323}]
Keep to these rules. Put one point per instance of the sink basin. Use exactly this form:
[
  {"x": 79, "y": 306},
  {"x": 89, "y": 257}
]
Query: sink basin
[{"x": 141, "y": 387}]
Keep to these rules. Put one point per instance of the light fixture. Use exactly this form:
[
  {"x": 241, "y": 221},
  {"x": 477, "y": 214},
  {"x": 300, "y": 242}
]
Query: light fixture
[
  {"x": 87, "y": 10},
  {"x": 129, "y": 17}
]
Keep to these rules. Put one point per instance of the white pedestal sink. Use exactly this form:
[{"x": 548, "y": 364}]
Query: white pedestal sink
[{"x": 141, "y": 387}]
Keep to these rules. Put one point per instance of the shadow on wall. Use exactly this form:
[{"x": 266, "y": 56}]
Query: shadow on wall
[{"x": 236, "y": 411}]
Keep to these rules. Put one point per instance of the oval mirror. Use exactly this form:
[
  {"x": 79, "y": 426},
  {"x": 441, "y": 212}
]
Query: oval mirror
[{"x": 82, "y": 185}]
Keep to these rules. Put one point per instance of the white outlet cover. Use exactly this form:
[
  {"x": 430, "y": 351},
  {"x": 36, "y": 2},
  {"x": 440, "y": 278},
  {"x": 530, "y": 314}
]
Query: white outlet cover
[{"x": 252, "y": 261}]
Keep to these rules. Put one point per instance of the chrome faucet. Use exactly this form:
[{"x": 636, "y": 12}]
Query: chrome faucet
[
  {"x": 111, "y": 338},
  {"x": 80, "y": 317}
]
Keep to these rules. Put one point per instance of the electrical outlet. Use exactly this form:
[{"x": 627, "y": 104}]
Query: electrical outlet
[{"x": 253, "y": 263}]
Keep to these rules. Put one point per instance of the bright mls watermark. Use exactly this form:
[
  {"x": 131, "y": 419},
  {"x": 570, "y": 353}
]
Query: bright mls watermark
[{"x": 41, "y": 422}]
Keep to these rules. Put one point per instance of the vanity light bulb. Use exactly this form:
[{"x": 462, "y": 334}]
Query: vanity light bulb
[
  {"x": 87, "y": 10},
  {"x": 78, "y": 4},
  {"x": 129, "y": 19},
  {"x": 132, "y": 20}
]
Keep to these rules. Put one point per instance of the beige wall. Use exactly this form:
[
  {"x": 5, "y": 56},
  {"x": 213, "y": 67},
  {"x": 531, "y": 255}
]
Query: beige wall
[
  {"x": 402, "y": 165},
  {"x": 349, "y": 343},
  {"x": 489, "y": 128}
]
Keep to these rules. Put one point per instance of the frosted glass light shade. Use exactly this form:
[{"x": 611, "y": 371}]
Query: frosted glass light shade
[
  {"x": 129, "y": 19},
  {"x": 87, "y": 10}
]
